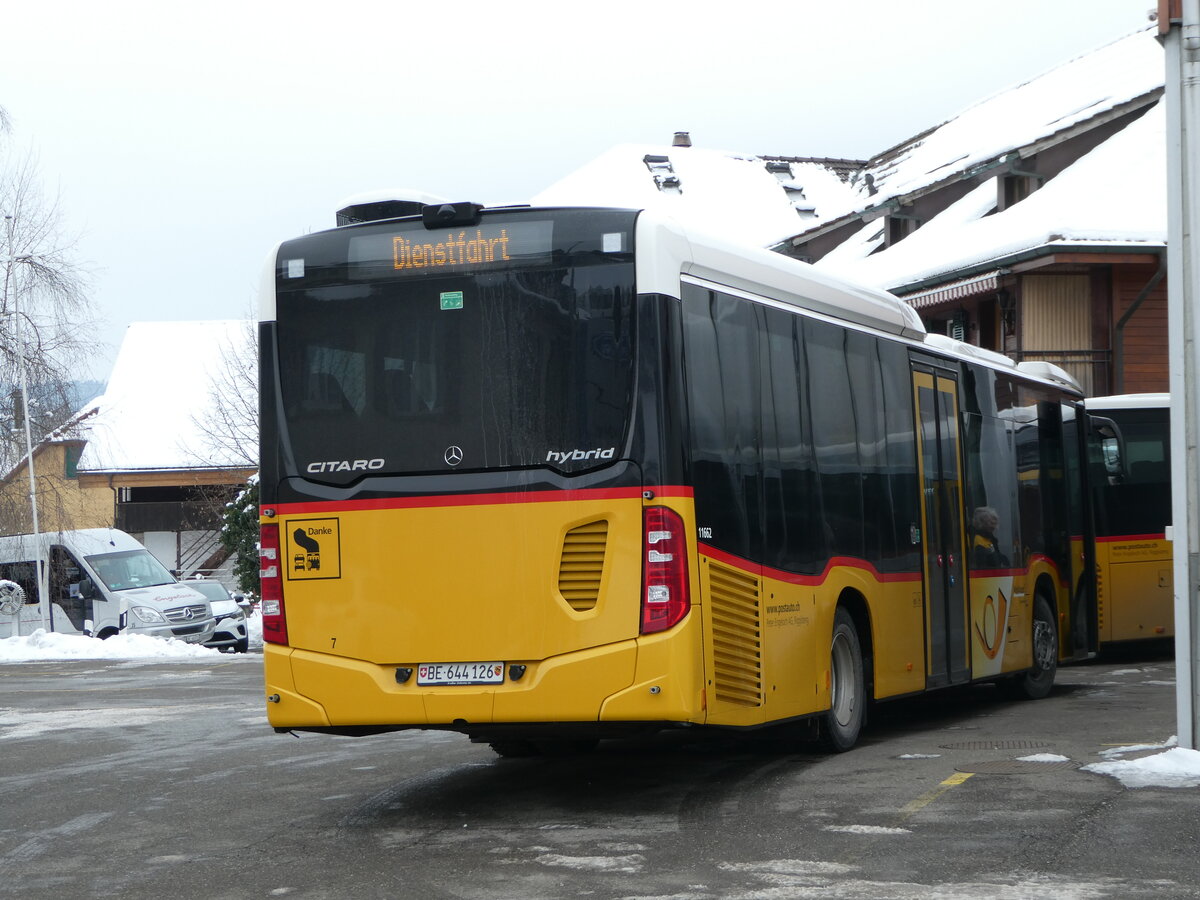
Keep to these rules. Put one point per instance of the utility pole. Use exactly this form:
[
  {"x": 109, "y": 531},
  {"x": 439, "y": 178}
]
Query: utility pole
[{"x": 1179, "y": 29}]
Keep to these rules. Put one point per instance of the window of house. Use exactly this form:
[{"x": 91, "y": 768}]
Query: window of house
[
  {"x": 1013, "y": 188},
  {"x": 71, "y": 460},
  {"x": 897, "y": 228}
]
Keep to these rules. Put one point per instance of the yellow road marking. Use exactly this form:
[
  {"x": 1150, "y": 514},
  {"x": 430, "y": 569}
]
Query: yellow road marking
[{"x": 925, "y": 799}]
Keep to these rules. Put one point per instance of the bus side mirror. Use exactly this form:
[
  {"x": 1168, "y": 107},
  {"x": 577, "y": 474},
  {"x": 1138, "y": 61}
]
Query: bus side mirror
[
  {"x": 1110, "y": 450},
  {"x": 1112, "y": 447}
]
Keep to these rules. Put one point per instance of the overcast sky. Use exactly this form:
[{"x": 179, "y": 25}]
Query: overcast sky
[{"x": 185, "y": 140}]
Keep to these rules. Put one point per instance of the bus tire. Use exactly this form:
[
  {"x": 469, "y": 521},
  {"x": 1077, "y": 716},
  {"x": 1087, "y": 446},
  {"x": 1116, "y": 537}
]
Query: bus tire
[
  {"x": 842, "y": 722},
  {"x": 1037, "y": 682},
  {"x": 107, "y": 633}
]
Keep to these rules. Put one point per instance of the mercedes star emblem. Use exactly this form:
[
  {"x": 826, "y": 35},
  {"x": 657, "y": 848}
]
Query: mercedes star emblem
[{"x": 454, "y": 455}]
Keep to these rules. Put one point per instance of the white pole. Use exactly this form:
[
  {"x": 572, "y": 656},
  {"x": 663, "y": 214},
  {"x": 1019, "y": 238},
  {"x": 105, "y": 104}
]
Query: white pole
[
  {"x": 43, "y": 576},
  {"x": 19, "y": 338},
  {"x": 1182, "y": 43}
]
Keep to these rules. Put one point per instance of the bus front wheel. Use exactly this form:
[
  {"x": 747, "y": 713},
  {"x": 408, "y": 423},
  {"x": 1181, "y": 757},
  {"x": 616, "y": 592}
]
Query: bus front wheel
[{"x": 843, "y": 721}]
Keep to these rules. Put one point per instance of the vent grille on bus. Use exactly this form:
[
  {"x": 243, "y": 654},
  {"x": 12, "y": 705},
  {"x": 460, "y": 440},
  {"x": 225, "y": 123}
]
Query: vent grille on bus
[
  {"x": 582, "y": 564},
  {"x": 737, "y": 651}
]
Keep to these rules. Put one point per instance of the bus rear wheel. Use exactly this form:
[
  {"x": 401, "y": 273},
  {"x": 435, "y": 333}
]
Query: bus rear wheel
[
  {"x": 1037, "y": 682},
  {"x": 841, "y": 724}
]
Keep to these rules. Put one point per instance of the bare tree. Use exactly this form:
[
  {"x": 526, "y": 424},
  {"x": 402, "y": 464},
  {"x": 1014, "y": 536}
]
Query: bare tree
[
  {"x": 230, "y": 424},
  {"x": 45, "y": 316}
]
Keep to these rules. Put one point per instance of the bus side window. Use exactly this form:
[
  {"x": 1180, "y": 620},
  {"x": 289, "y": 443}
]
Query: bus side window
[{"x": 723, "y": 391}]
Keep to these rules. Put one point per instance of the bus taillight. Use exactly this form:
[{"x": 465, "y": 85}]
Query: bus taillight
[
  {"x": 665, "y": 594},
  {"x": 270, "y": 577}
]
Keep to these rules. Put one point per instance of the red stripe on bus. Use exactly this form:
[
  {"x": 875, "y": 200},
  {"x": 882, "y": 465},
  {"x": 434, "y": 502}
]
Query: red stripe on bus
[
  {"x": 792, "y": 578},
  {"x": 1161, "y": 536},
  {"x": 489, "y": 499}
]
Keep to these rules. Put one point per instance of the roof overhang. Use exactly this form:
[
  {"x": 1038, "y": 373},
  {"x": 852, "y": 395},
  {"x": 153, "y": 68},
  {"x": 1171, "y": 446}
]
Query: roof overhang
[
  {"x": 971, "y": 280},
  {"x": 165, "y": 477}
]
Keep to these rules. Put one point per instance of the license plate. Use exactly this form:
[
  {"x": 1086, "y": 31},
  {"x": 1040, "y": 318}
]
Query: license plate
[{"x": 461, "y": 673}]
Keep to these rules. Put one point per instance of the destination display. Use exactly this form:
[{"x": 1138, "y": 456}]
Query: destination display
[{"x": 416, "y": 251}]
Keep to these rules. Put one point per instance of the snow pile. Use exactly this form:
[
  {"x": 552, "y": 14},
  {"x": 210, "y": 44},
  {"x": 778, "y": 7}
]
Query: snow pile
[
  {"x": 254, "y": 629},
  {"x": 47, "y": 645},
  {"x": 1177, "y": 767},
  {"x": 1113, "y": 195},
  {"x": 728, "y": 195},
  {"x": 1088, "y": 86},
  {"x": 44, "y": 645}
]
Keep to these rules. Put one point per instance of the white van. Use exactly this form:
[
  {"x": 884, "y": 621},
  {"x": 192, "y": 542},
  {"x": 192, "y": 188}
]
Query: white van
[{"x": 100, "y": 582}]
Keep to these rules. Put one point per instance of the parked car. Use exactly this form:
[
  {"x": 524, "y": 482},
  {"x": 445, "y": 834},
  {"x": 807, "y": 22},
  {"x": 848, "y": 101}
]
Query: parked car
[{"x": 230, "y": 633}]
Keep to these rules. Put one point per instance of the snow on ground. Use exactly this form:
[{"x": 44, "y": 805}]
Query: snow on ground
[
  {"x": 865, "y": 829},
  {"x": 22, "y": 724},
  {"x": 1043, "y": 757},
  {"x": 42, "y": 645},
  {"x": 1177, "y": 767},
  {"x": 45, "y": 645}
]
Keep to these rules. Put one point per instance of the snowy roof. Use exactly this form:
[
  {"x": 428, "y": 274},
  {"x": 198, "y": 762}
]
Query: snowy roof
[
  {"x": 1090, "y": 87},
  {"x": 728, "y": 195},
  {"x": 159, "y": 407},
  {"x": 1113, "y": 196}
]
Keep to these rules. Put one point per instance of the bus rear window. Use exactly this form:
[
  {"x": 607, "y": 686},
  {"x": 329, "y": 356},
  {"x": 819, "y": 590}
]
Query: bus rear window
[{"x": 459, "y": 367}]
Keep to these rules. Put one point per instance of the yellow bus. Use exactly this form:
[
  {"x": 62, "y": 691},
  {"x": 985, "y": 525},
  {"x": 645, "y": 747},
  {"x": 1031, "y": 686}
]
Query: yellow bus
[
  {"x": 546, "y": 476},
  {"x": 1132, "y": 503}
]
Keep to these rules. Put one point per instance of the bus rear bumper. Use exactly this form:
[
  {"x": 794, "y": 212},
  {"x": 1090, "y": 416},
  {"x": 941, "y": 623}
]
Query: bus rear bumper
[{"x": 624, "y": 682}]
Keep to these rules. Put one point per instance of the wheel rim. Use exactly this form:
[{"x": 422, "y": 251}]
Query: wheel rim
[
  {"x": 844, "y": 686},
  {"x": 1043, "y": 644}
]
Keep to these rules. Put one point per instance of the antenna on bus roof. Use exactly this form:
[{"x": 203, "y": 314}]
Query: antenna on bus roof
[{"x": 447, "y": 215}]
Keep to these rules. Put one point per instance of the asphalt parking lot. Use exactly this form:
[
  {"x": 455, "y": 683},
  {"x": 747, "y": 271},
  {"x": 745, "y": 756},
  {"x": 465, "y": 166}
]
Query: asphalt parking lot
[{"x": 156, "y": 779}]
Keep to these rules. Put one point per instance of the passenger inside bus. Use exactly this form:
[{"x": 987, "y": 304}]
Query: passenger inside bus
[{"x": 985, "y": 549}]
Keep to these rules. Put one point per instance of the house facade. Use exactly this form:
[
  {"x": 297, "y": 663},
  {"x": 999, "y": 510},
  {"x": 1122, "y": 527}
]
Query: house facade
[{"x": 62, "y": 502}]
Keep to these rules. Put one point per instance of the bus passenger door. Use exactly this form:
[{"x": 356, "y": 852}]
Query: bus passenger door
[{"x": 943, "y": 534}]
